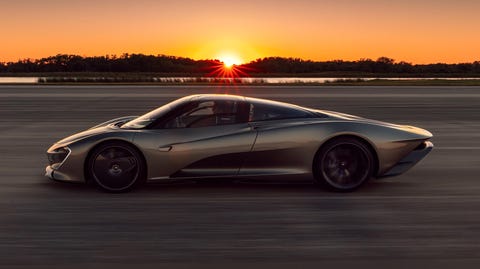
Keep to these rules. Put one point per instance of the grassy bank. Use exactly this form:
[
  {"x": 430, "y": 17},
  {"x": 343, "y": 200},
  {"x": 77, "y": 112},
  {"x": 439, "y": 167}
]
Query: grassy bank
[{"x": 338, "y": 78}]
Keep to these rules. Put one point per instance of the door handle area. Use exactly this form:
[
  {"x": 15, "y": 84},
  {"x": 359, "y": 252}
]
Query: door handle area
[{"x": 165, "y": 148}]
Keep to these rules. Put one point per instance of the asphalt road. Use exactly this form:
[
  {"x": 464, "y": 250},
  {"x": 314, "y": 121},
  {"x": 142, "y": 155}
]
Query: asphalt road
[{"x": 427, "y": 217}]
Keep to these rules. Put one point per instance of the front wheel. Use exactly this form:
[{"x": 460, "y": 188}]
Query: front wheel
[
  {"x": 116, "y": 167},
  {"x": 343, "y": 164}
]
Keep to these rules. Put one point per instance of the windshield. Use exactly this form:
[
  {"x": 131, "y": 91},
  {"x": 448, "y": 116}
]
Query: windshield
[{"x": 144, "y": 120}]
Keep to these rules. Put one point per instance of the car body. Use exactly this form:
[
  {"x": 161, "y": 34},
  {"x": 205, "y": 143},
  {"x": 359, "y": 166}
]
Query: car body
[{"x": 211, "y": 135}]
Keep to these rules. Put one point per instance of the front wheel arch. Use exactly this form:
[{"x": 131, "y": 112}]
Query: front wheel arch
[{"x": 120, "y": 141}]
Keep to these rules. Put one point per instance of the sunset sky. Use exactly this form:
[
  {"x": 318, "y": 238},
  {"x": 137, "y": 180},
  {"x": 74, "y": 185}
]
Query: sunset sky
[{"x": 420, "y": 31}]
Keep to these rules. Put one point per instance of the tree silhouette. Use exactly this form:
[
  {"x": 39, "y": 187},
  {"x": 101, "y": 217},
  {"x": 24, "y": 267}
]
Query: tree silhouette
[{"x": 180, "y": 66}]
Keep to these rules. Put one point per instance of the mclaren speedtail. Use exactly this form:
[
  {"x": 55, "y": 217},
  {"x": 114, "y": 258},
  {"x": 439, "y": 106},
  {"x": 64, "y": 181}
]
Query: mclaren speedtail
[{"x": 226, "y": 136}]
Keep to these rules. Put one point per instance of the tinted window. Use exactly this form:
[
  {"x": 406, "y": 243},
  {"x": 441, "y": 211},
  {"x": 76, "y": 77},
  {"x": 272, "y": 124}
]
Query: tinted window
[
  {"x": 207, "y": 113},
  {"x": 265, "y": 111}
]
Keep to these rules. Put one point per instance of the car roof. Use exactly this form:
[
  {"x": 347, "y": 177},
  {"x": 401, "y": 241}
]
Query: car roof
[
  {"x": 201, "y": 97},
  {"x": 231, "y": 97}
]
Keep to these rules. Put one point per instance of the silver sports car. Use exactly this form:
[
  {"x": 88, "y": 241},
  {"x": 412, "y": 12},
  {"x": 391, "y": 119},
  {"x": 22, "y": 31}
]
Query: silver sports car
[{"x": 224, "y": 136}]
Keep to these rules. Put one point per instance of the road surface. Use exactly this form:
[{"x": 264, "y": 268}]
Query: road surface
[{"x": 429, "y": 216}]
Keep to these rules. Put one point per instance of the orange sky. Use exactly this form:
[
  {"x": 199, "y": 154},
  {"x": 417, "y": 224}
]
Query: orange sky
[{"x": 421, "y": 31}]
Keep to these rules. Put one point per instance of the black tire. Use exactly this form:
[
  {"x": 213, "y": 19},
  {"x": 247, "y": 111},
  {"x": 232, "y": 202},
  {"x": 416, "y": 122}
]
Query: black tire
[
  {"x": 343, "y": 164},
  {"x": 116, "y": 167}
]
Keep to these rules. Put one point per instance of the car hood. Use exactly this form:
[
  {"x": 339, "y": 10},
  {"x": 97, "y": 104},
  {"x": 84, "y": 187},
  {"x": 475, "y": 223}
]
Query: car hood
[
  {"x": 116, "y": 121},
  {"x": 104, "y": 127},
  {"x": 84, "y": 134}
]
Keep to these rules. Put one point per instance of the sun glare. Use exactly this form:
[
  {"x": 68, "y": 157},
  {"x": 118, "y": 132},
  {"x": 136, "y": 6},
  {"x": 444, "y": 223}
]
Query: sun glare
[
  {"x": 229, "y": 67},
  {"x": 229, "y": 60}
]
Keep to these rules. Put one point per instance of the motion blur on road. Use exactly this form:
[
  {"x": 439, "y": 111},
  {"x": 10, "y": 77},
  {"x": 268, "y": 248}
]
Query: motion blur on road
[{"x": 428, "y": 216}]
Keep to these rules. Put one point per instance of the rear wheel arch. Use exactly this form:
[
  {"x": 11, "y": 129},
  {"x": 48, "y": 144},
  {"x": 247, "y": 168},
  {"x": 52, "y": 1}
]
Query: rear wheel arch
[{"x": 357, "y": 138}]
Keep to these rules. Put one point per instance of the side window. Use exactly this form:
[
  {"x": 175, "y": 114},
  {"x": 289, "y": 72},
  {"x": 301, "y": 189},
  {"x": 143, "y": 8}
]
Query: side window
[
  {"x": 202, "y": 109},
  {"x": 263, "y": 112},
  {"x": 207, "y": 113}
]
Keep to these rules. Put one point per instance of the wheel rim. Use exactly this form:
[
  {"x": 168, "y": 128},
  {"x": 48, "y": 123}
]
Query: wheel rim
[
  {"x": 115, "y": 168},
  {"x": 345, "y": 166}
]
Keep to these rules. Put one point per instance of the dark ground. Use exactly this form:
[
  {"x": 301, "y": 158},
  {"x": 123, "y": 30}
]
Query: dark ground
[{"x": 427, "y": 218}]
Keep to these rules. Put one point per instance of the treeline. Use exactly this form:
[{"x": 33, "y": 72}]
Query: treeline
[
  {"x": 140, "y": 63},
  {"x": 382, "y": 65},
  {"x": 110, "y": 63}
]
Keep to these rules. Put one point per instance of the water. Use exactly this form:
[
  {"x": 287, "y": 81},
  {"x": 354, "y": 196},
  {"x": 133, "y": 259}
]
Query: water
[
  {"x": 20, "y": 80},
  {"x": 266, "y": 80},
  {"x": 323, "y": 80}
]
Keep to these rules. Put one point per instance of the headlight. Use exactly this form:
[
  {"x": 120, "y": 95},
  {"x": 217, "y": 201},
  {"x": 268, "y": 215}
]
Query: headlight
[{"x": 57, "y": 156}]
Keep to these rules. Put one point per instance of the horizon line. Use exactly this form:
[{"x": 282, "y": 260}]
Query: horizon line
[{"x": 245, "y": 63}]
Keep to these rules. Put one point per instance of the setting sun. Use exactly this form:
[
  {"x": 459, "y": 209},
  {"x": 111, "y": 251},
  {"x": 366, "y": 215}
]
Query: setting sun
[
  {"x": 229, "y": 60},
  {"x": 230, "y": 66}
]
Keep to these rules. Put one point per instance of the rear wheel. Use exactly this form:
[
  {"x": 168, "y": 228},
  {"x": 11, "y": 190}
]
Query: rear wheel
[
  {"x": 116, "y": 167},
  {"x": 343, "y": 164}
]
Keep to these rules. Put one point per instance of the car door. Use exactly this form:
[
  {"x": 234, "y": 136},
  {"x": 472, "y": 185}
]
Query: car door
[
  {"x": 284, "y": 142},
  {"x": 207, "y": 138}
]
